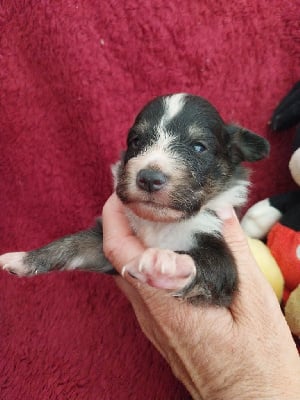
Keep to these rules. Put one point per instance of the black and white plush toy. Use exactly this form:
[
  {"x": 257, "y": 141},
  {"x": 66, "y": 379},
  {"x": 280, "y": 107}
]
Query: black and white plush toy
[{"x": 278, "y": 218}]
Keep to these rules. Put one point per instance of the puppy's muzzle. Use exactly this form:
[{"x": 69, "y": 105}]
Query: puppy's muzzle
[{"x": 151, "y": 180}]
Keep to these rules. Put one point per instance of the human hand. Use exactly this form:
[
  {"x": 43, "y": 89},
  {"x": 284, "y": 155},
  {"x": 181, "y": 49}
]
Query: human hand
[{"x": 243, "y": 352}]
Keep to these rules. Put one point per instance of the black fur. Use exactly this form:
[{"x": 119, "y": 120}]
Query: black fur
[{"x": 216, "y": 278}]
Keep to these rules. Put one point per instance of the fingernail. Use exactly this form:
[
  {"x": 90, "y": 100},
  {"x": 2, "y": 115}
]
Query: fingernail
[
  {"x": 138, "y": 276},
  {"x": 225, "y": 213},
  {"x": 123, "y": 271},
  {"x": 135, "y": 274}
]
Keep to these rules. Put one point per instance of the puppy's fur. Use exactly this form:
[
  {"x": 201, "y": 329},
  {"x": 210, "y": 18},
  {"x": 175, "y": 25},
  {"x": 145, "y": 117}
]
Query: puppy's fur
[{"x": 182, "y": 164}]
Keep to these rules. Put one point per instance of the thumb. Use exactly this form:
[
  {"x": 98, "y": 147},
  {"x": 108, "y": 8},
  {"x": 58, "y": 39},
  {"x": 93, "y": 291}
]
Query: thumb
[
  {"x": 236, "y": 239},
  {"x": 120, "y": 245},
  {"x": 253, "y": 286}
]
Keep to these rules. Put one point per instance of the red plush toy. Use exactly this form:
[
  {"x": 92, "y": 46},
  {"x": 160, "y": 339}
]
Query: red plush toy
[{"x": 278, "y": 218}]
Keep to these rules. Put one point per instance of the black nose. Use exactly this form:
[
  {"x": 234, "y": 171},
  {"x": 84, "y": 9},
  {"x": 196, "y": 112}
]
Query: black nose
[{"x": 150, "y": 180}]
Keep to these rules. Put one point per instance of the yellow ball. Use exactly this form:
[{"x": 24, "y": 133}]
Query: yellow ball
[{"x": 268, "y": 265}]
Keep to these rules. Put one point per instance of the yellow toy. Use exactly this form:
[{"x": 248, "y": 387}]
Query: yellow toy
[{"x": 268, "y": 265}]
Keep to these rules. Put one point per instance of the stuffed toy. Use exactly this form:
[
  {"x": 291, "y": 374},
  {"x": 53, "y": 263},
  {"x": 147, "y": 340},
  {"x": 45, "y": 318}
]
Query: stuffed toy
[
  {"x": 268, "y": 265},
  {"x": 278, "y": 218}
]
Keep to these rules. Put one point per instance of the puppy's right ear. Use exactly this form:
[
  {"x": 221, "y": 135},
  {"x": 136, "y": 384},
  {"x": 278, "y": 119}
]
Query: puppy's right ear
[{"x": 246, "y": 145}]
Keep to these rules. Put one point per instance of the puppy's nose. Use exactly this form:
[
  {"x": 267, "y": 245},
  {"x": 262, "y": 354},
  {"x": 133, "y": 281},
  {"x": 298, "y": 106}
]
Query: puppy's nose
[{"x": 150, "y": 180}]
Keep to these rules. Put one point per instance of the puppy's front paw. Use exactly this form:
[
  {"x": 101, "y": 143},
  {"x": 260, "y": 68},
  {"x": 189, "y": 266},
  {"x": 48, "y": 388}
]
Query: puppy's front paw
[
  {"x": 163, "y": 269},
  {"x": 14, "y": 263}
]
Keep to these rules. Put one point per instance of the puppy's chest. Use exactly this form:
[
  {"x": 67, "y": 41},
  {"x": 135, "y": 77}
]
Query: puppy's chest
[
  {"x": 177, "y": 236},
  {"x": 165, "y": 236}
]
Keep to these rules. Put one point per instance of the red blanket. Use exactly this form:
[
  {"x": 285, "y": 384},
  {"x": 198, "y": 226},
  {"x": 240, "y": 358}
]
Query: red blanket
[{"x": 73, "y": 74}]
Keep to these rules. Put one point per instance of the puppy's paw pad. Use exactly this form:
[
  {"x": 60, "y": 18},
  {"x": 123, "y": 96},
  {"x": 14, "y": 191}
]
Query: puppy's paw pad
[
  {"x": 13, "y": 263},
  {"x": 163, "y": 269}
]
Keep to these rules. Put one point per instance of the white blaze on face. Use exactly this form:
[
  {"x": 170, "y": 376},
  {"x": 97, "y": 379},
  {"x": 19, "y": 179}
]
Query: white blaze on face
[
  {"x": 159, "y": 155},
  {"x": 173, "y": 105}
]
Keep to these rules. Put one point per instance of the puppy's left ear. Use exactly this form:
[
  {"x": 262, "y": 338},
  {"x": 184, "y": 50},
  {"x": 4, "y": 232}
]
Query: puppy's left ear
[{"x": 246, "y": 145}]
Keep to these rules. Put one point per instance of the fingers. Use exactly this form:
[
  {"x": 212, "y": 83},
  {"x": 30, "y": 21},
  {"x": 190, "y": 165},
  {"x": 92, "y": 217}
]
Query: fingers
[
  {"x": 237, "y": 242},
  {"x": 254, "y": 291},
  {"x": 120, "y": 245},
  {"x": 122, "y": 248}
]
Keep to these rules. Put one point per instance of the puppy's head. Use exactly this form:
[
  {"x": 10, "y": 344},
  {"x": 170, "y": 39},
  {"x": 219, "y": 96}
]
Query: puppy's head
[{"x": 180, "y": 154}]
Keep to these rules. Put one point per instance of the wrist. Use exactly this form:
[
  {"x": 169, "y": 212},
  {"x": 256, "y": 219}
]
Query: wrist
[{"x": 249, "y": 389}]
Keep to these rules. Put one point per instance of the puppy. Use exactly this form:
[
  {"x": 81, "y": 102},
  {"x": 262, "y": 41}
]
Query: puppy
[{"x": 182, "y": 164}]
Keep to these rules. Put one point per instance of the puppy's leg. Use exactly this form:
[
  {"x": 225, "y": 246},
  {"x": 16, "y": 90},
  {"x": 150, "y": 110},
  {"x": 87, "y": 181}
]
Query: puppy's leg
[
  {"x": 82, "y": 250},
  {"x": 216, "y": 278},
  {"x": 205, "y": 274}
]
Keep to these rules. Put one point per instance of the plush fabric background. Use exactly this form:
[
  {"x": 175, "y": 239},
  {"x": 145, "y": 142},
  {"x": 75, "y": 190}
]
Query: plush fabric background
[{"x": 73, "y": 74}]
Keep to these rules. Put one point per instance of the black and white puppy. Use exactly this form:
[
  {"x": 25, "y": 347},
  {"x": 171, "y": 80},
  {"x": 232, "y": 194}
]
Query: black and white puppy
[{"x": 182, "y": 164}]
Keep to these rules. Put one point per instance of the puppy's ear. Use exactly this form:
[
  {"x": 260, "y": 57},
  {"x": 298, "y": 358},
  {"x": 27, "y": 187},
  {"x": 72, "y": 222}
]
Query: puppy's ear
[{"x": 246, "y": 145}]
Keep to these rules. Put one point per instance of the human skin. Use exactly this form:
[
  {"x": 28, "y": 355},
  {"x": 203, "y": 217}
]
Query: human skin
[{"x": 245, "y": 351}]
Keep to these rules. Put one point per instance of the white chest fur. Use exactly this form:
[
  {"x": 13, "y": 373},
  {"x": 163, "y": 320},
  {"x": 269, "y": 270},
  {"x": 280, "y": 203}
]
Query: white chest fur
[
  {"x": 176, "y": 235},
  {"x": 180, "y": 235}
]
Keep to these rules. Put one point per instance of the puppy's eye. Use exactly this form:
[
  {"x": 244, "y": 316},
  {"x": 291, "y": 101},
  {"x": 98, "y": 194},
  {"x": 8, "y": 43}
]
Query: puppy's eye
[
  {"x": 135, "y": 142},
  {"x": 199, "y": 147}
]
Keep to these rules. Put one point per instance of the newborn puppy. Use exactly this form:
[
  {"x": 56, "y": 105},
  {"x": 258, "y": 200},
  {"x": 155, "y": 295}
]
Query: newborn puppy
[{"x": 182, "y": 164}]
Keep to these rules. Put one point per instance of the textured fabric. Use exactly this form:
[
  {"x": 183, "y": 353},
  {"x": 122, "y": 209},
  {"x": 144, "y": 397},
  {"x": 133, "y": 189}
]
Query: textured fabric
[{"x": 73, "y": 74}]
